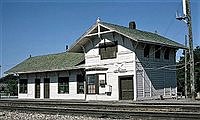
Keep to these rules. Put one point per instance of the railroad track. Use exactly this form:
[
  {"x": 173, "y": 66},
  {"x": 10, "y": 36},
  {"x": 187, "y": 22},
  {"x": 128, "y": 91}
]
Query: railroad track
[{"x": 106, "y": 109}]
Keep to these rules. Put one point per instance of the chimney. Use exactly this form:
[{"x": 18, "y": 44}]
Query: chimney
[
  {"x": 66, "y": 47},
  {"x": 132, "y": 25}
]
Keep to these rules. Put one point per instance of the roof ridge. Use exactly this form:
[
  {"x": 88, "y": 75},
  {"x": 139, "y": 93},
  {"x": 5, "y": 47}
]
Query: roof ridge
[
  {"x": 133, "y": 29},
  {"x": 141, "y": 35},
  {"x": 66, "y": 52}
]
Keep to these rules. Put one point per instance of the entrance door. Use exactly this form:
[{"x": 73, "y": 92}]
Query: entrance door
[
  {"x": 46, "y": 87},
  {"x": 37, "y": 88},
  {"x": 126, "y": 88}
]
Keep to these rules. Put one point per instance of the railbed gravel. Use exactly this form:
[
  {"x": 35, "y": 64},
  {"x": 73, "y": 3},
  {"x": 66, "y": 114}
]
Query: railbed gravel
[{"x": 19, "y": 115}]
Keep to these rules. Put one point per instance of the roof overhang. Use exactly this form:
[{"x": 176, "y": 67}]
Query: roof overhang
[
  {"x": 78, "y": 46},
  {"x": 161, "y": 44},
  {"x": 44, "y": 71}
]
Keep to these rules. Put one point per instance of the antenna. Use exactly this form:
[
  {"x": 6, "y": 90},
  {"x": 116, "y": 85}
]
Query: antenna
[
  {"x": 178, "y": 17},
  {"x": 184, "y": 7}
]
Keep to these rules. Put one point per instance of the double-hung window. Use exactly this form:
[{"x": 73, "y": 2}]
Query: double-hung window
[
  {"x": 63, "y": 85},
  {"x": 92, "y": 84}
]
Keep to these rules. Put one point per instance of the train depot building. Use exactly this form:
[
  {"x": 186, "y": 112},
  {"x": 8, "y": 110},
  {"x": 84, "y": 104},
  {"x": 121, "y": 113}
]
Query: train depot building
[{"x": 108, "y": 62}]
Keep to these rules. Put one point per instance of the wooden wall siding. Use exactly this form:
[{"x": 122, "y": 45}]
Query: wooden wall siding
[
  {"x": 124, "y": 60},
  {"x": 53, "y": 85},
  {"x": 147, "y": 86},
  {"x": 152, "y": 81},
  {"x": 139, "y": 82},
  {"x": 92, "y": 51}
]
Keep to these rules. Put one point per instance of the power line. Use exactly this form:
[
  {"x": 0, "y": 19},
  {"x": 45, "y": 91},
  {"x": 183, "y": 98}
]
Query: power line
[{"x": 172, "y": 21}]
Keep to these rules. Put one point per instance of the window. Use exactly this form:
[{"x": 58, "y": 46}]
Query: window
[
  {"x": 108, "y": 50},
  {"x": 63, "y": 85},
  {"x": 166, "y": 55},
  {"x": 146, "y": 51},
  {"x": 157, "y": 51},
  {"x": 23, "y": 85},
  {"x": 92, "y": 84},
  {"x": 80, "y": 84},
  {"x": 2, "y": 89}
]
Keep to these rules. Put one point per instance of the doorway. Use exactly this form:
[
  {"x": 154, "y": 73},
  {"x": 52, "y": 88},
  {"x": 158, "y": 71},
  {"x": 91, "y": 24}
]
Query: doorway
[
  {"x": 37, "y": 88},
  {"x": 46, "y": 87},
  {"x": 126, "y": 88}
]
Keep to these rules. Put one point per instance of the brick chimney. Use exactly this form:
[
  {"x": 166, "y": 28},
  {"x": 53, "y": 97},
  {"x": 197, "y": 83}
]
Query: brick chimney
[{"x": 132, "y": 25}]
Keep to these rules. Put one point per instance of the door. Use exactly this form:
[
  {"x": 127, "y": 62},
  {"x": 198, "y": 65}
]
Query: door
[
  {"x": 46, "y": 87},
  {"x": 37, "y": 88},
  {"x": 126, "y": 88}
]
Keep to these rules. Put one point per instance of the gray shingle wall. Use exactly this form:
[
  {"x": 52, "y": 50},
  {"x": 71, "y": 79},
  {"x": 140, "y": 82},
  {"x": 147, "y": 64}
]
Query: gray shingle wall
[{"x": 153, "y": 78}]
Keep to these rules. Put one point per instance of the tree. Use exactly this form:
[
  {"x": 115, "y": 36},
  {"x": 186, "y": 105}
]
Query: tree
[
  {"x": 11, "y": 81},
  {"x": 197, "y": 68},
  {"x": 181, "y": 72}
]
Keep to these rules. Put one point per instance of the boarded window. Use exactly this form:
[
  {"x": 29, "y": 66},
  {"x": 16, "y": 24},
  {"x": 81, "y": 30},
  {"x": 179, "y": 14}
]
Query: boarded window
[
  {"x": 166, "y": 55},
  {"x": 146, "y": 51},
  {"x": 108, "y": 50},
  {"x": 157, "y": 51},
  {"x": 92, "y": 84},
  {"x": 63, "y": 85},
  {"x": 80, "y": 84},
  {"x": 23, "y": 85}
]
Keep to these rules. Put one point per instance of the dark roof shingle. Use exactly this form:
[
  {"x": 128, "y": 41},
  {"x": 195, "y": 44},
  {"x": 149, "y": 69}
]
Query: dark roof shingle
[
  {"x": 143, "y": 36},
  {"x": 51, "y": 62}
]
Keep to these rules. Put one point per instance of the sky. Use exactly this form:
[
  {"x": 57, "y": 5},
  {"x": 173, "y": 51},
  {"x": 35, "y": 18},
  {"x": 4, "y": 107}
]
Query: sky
[{"x": 40, "y": 27}]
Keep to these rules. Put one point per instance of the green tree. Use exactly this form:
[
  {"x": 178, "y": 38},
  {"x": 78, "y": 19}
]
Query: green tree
[
  {"x": 181, "y": 72},
  {"x": 11, "y": 81}
]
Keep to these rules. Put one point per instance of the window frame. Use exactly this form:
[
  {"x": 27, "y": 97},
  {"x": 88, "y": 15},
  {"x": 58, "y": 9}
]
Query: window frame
[
  {"x": 63, "y": 84},
  {"x": 111, "y": 47},
  {"x": 23, "y": 86},
  {"x": 95, "y": 84}
]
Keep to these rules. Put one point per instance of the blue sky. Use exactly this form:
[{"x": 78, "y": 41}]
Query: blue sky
[{"x": 39, "y": 27}]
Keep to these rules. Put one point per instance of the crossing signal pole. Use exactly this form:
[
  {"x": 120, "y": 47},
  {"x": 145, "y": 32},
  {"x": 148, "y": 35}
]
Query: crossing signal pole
[{"x": 187, "y": 18}]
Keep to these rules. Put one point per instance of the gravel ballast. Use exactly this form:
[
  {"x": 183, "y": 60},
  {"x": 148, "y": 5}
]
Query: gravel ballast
[{"x": 18, "y": 115}]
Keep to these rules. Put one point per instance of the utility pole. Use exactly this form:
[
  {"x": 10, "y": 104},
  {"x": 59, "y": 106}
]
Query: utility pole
[
  {"x": 187, "y": 18},
  {"x": 189, "y": 24},
  {"x": 0, "y": 71},
  {"x": 186, "y": 92}
]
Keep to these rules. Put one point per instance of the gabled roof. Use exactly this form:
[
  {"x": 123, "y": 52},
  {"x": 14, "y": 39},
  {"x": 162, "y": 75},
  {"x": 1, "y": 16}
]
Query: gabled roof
[
  {"x": 134, "y": 34},
  {"x": 51, "y": 62},
  {"x": 143, "y": 36}
]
